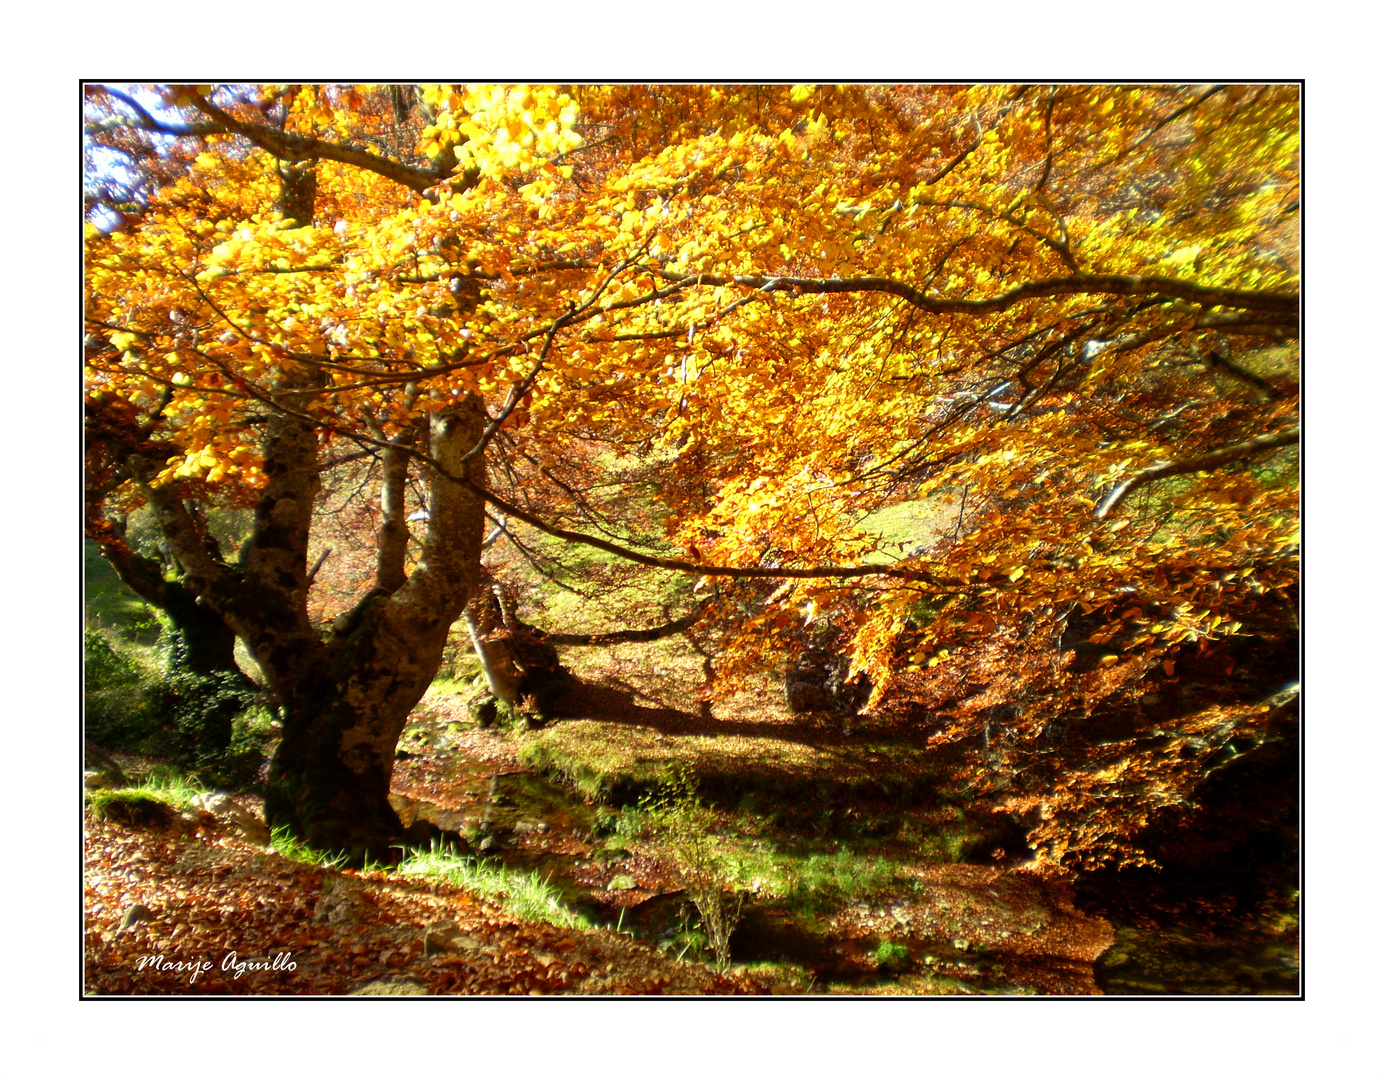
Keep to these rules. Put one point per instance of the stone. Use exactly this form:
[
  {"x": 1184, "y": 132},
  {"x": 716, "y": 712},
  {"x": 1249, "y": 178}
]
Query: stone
[
  {"x": 484, "y": 711},
  {"x": 621, "y": 881},
  {"x": 133, "y": 914},
  {"x": 394, "y": 986},
  {"x": 93, "y": 780},
  {"x": 342, "y": 902},
  {"x": 445, "y": 937},
  {"x": 823, "y": 686},
  {"x": 225, "y": 809}
]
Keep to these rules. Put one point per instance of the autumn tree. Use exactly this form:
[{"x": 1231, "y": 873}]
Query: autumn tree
[{"x": 1070, "y": 311}]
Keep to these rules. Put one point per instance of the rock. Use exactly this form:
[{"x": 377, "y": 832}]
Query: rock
[
  {"x": 225, "y": 809},
  {"x": 823, "y": 686},
  {"x": 139, "y": 812},
  {"x": 445, "y": 937},
  {"x": 392, "y": 986},
  {"x": 621, "y": 881},
  {"x": 806, "y": 692},
  {"x": 95, "y": 781},
  {"x": 135, "y": 913},
  {"x": 342, "y": 902},
  {"x": 184, "y": 824}
]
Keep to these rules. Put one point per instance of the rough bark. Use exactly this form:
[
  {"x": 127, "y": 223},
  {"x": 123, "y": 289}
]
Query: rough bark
[
  {"x": 392, "y": 545},
  {"x": 346, "y": 700},
  {"x": 520, "y": 664}
]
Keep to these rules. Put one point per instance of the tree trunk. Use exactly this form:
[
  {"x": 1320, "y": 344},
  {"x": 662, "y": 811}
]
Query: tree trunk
[
  {"x": 208, "y": 689},
  {"x": 329, "y": 780},
  {"x": 347, "y": 700},
  {"x": 345, "y": 695},
  {"x": 201, "y": 642},
  {"x": 496, "y": 660}
]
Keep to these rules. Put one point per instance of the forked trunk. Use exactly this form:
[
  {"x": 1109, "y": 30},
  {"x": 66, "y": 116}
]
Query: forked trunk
[
  {"x": 329, "y": 780},
  {"x": 346, "y": 699}
]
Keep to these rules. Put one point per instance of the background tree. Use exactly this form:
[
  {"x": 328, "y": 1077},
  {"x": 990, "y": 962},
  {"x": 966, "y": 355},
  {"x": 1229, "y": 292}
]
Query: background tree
[{"x": 1072, "y": 311}]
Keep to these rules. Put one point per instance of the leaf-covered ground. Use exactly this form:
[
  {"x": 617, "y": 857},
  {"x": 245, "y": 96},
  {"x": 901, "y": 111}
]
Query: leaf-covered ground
[
  {"x": 216, "y": 902},
  {"x": 795, "y": 795}
]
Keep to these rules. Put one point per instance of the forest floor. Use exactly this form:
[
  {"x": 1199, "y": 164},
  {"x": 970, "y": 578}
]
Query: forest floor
[
  {"x": 227, "y": 917},
  {"x": 838, "y": 845}
]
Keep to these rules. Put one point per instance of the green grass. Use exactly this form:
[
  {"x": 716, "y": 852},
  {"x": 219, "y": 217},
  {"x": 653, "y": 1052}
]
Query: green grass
[
  {"x": 904, "y": 526},
  {"x": 162, "y": 785},
  {"x": 524, "y": 895},
  {"x": 294, "y": 849},
  {"x": 817, "y": 882}
]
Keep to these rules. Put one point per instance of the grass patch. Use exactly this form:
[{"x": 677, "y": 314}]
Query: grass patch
[
  {"x": 290, "y": 847},
  {"x": 814, "y": 883},
  {"x": 581, "y": 754},
  {"x": 524, "y": 895},
  {"x": 904, "y": 527},
  {"x": 164, "y": 786},
  {"x": 620, "y": 763},
  {"x": 446, "y": 685}
]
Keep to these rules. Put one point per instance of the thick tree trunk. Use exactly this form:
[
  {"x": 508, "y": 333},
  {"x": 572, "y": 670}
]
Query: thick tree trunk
[
  {"x": 346, "y": 701},
  {"x": 329, "y": 780}
]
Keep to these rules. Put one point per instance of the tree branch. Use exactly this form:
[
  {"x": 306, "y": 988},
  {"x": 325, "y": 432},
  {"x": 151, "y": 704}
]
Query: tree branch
[
  {"x": 1282, "y": 306},
  {"x": 616, "y": 637},
  {"x": 1201, "y": 463},
  {"x": 701, "y": 569},
  {"x": 285, "y": 146},
  {"x": 290, "y": 147}
]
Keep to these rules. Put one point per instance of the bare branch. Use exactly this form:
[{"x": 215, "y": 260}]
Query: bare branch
[
  {"x": 1201, "y": 463},
  {"x": 1281, "y": 306},
  {"x": 616, "y": 637},
  {"x": 1214, "y": 360}
]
